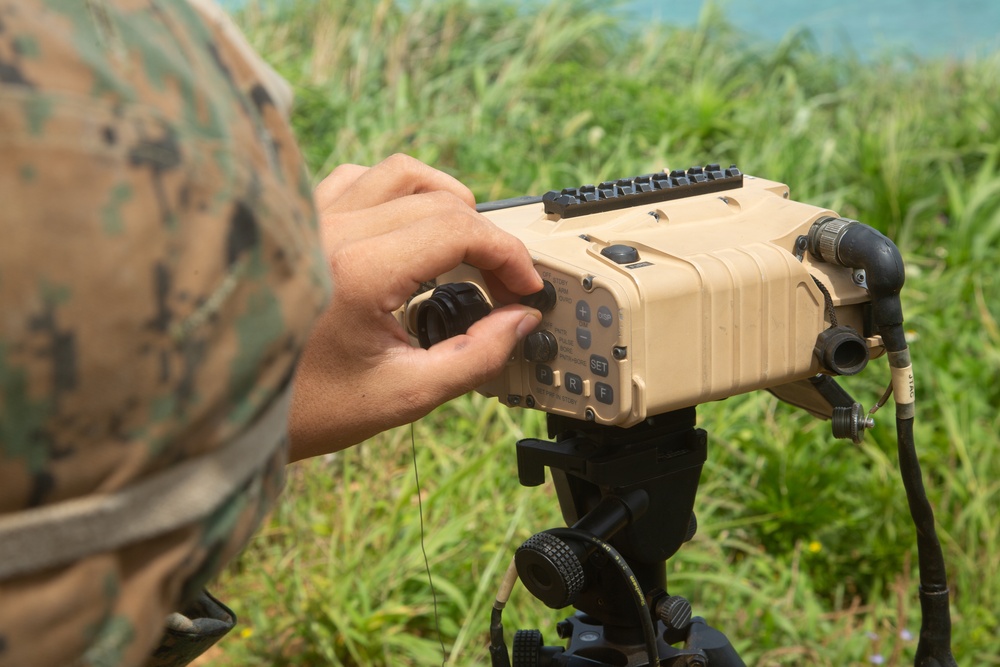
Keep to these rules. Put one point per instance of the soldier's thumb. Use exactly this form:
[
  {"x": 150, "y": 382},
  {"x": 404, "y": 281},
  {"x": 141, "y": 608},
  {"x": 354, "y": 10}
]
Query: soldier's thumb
[{"x": 481, "y": 353}]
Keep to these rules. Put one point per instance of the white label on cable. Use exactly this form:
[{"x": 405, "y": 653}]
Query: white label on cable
[{"x": 902, "y": 385}]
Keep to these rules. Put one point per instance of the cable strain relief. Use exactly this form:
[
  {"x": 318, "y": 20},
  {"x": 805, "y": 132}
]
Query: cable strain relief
[{"x": 934, "y": 647}]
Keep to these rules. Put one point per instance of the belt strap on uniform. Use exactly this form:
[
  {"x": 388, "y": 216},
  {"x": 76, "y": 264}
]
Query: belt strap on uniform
[{"x": 57, "y": 534}]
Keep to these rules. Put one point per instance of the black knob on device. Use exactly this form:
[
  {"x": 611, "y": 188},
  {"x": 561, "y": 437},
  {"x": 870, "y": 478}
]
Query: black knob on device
[
  {"x": 675, "y": 612},
  {"x": 450, "y": 311},
  {"x": 527, "y": 649},
  {"x": 851, "y": 423},
  {"x": 540, "y": 347},
  {"x": 543, "y": 300},
  {"x": 550, "y": 569}
]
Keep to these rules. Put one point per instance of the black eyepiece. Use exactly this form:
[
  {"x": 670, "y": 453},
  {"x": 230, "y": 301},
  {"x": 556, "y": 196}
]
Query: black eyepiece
[
  {"x": 842, "y": 351},
  {"x": 450, "y": 311}
]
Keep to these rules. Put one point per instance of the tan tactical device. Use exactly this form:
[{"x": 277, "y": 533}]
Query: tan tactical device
[
  {"x": 662, "y": 292},
  {"x": 666, "y": 291}
]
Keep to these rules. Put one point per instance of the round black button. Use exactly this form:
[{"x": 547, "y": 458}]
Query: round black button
[{"x": 621, "y": 254}]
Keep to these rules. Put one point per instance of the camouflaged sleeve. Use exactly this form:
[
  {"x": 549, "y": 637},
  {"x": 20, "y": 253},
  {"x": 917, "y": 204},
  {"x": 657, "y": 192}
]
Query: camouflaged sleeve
[{"x": 159, "y": 271}]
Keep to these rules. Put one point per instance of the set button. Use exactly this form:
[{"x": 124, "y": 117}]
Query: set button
[{"x": 599, "y": 366}]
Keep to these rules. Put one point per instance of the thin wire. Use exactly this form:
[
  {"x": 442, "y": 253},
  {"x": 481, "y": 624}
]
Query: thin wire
[
  {"x": 881, "y": 401},
  {"x": 423, "y": 549}
]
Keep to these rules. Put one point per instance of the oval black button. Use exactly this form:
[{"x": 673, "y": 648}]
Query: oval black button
[{"x": 621, "y": 254}]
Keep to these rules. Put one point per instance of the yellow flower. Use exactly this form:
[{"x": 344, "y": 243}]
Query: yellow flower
[
  {"x": 246, "y": 632},
  {"x": 815, "y": 547}
]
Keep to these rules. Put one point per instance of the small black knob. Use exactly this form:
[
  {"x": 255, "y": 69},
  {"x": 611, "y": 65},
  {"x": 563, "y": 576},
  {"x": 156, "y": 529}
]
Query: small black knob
[
  {"x": 675, "y": 612},
  {"x": 543, "y": 300},
  {"x": 692, "y": 528},
  {"x": 851, "y": 423},
  {"x": 540, "y": 347}
]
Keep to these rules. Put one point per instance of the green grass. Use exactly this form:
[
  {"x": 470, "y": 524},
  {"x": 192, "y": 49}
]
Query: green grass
[{"x": 805, "y": 552}]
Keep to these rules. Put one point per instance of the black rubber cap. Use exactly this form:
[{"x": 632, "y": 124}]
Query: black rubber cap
[
  {"x": 450, "y": 311},
  {"x": 842, "y": 350}
]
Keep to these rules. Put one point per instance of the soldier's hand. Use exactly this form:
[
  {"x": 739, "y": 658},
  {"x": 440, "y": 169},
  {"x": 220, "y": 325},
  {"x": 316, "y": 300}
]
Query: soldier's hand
[{"x": 385, "y": 230}]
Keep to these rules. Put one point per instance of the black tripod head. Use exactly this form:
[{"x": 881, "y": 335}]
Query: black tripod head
[{"x": 628, "y": 495}]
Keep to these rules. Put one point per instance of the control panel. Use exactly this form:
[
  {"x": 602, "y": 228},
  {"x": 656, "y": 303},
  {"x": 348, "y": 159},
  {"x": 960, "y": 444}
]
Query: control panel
[{"x": 575, "y": 359}]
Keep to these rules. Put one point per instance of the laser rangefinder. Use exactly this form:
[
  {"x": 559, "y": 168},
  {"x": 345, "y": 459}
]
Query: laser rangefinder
[{"x": 665, "y": 291}]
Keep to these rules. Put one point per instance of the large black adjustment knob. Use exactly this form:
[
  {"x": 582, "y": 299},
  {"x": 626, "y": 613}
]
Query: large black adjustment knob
[
  {"x": 450, "y": 311},
  {"x": 550, "y": 570}
]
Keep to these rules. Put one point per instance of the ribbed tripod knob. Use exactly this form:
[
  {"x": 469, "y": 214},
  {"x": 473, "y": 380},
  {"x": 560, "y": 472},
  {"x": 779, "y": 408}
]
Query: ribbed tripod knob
[
  {"x": 675, "y": 612},
  {"x": 550, "y": 569}
]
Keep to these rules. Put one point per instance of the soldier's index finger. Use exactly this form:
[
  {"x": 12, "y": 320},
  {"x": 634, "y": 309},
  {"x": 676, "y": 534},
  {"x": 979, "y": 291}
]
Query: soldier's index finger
[{"x": 395, "y": 177}]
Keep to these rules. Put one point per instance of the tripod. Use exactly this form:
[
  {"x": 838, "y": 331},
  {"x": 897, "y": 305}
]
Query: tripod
[{"x": 628, "y": 495}]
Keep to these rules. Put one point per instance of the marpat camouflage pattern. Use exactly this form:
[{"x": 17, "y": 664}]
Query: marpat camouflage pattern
[{"x": 159, "y": 271}]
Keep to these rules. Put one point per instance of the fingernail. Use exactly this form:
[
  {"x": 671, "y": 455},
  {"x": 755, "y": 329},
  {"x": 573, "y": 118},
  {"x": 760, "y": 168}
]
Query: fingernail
[{"x": 528, "y": 324}]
